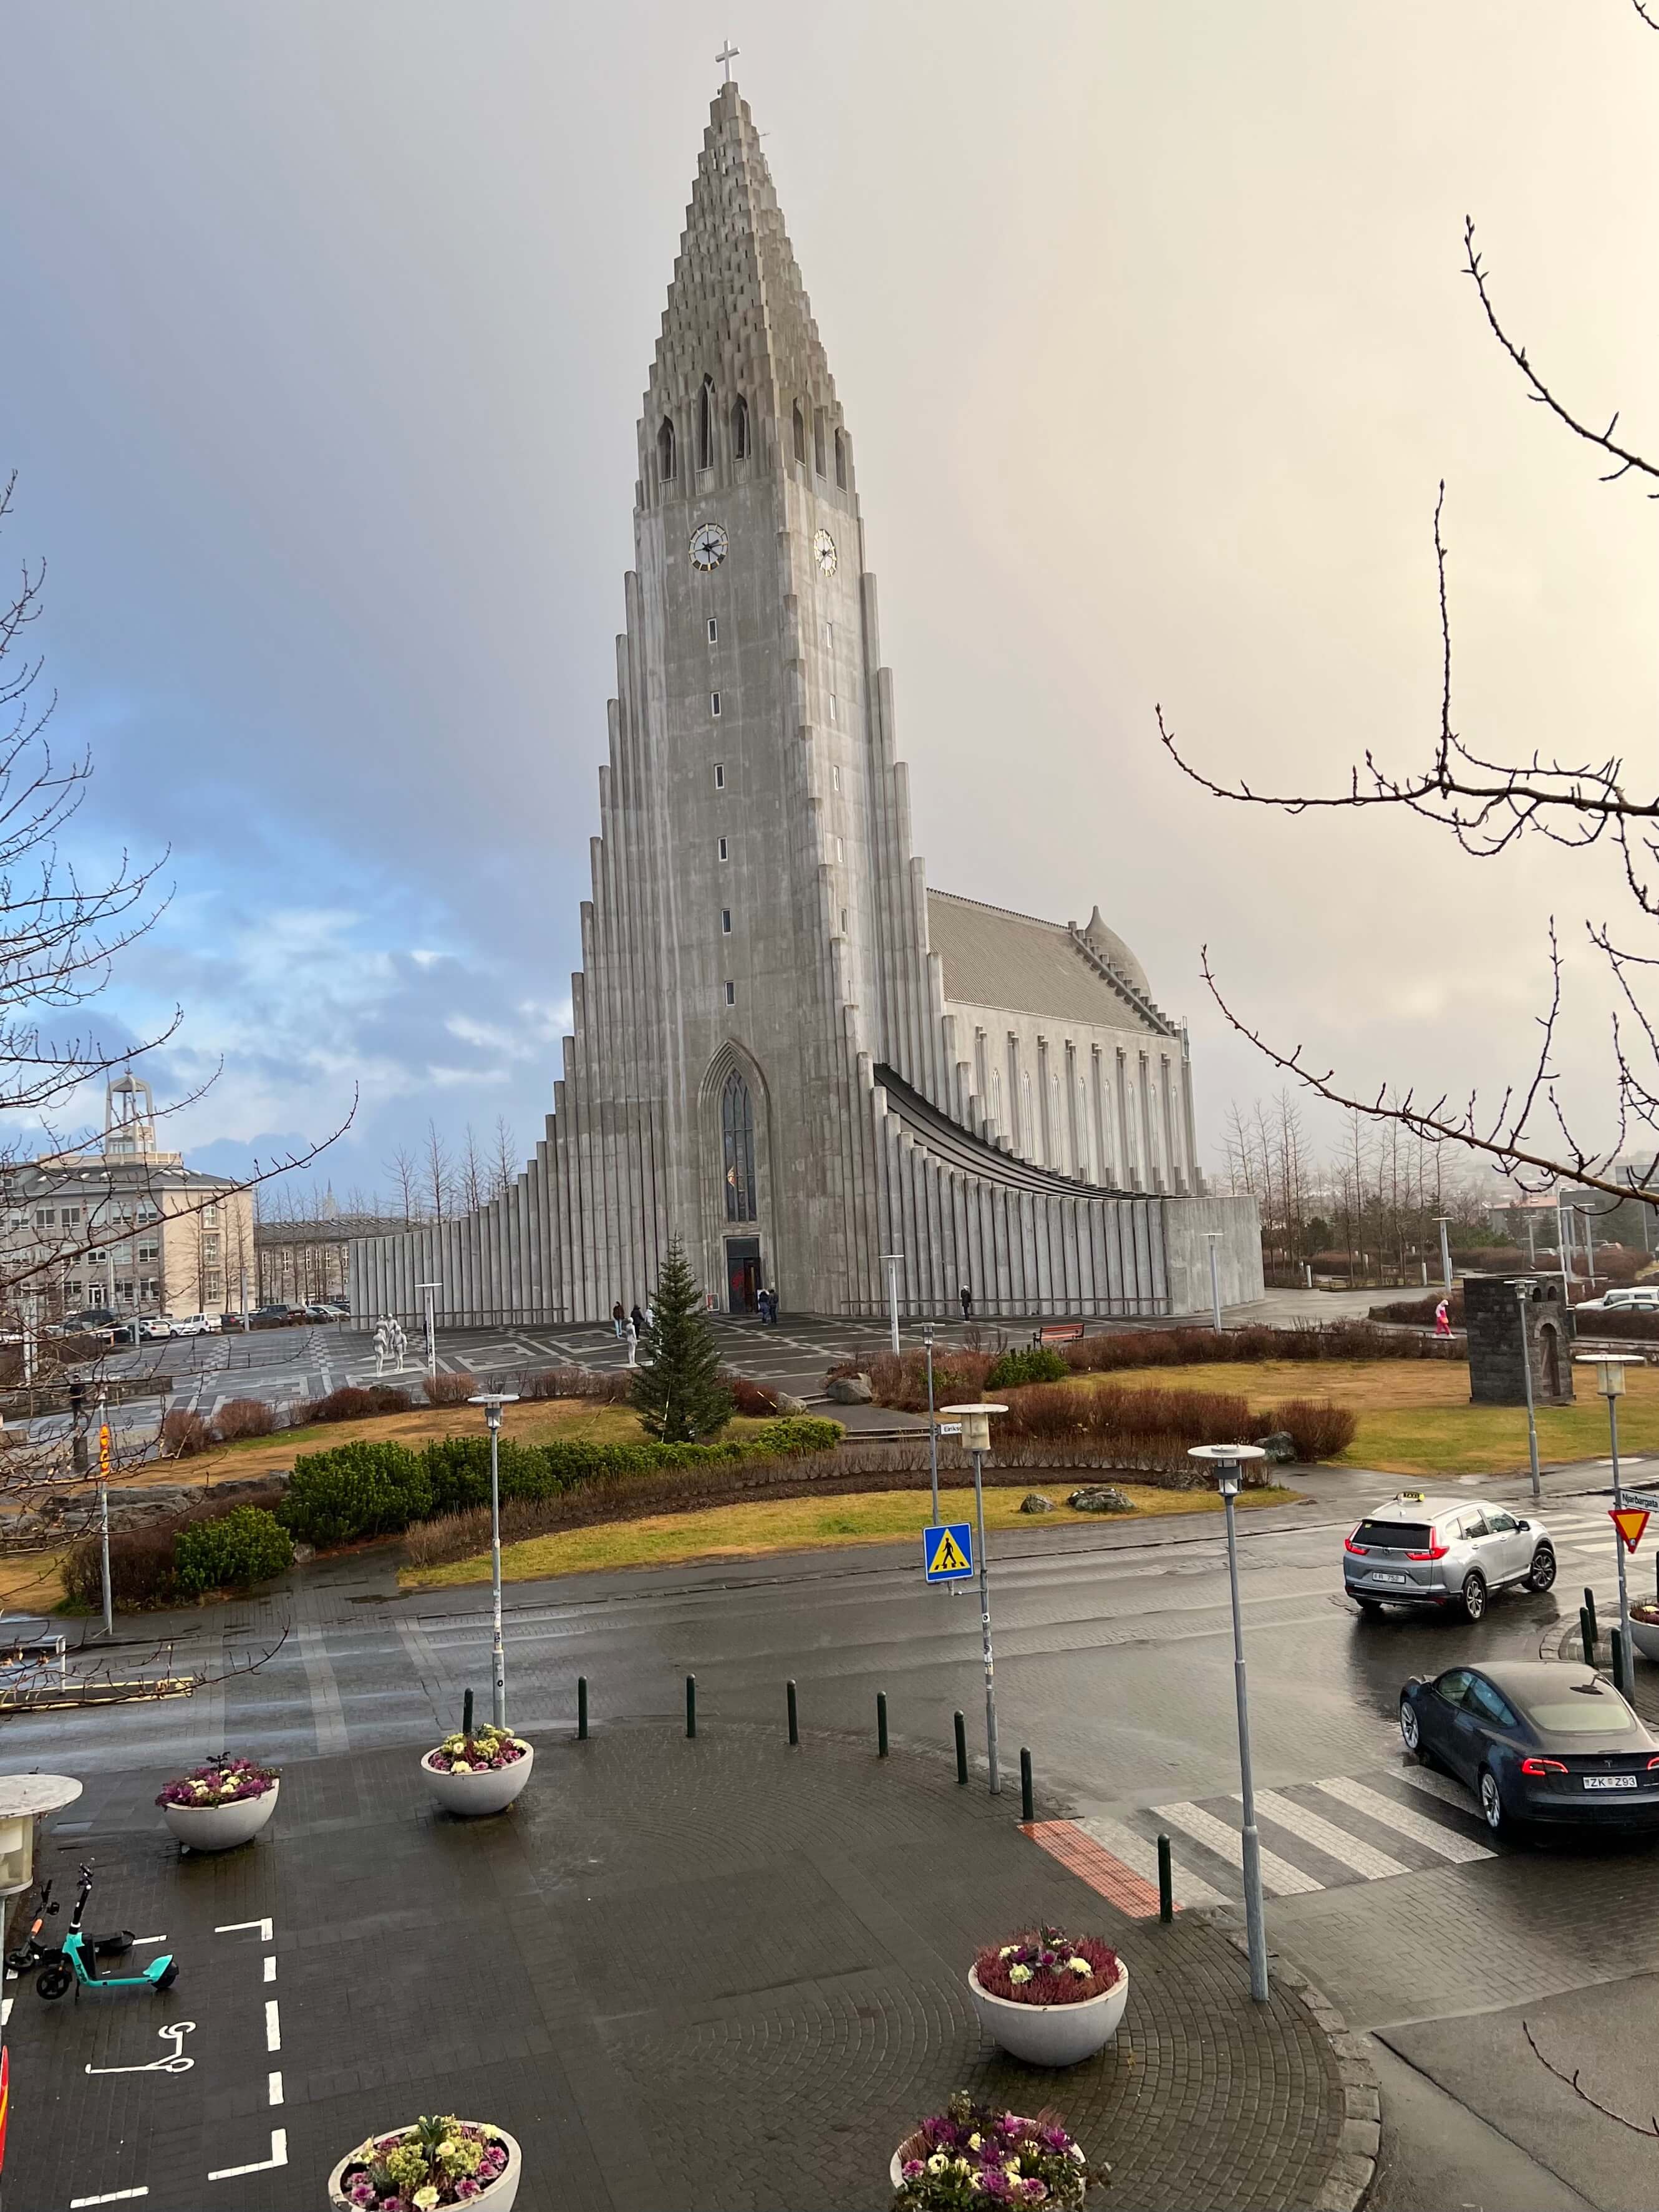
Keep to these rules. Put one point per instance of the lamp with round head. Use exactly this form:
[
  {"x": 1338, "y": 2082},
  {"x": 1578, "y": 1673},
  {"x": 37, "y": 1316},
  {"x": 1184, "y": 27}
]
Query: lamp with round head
[
  {"x": 1228, "y": 1461},
  {"x": 1610, "y": 1369},
  {"x": 976, "y": 1425}
]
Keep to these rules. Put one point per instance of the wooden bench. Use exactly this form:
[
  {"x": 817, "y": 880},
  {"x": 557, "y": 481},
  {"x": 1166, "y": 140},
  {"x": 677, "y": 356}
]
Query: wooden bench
[{"x": 1057, "y": 1332}]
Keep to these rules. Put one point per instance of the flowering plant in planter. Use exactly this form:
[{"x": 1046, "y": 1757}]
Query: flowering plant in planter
[
  {"x": 438, "y": 2161},
  {"x": 1048, "y": 1968},
  {"x": 226, "y": 1782},
  {"x": 488, "y": 1747},
  {"x": 970, "y": 2154}
]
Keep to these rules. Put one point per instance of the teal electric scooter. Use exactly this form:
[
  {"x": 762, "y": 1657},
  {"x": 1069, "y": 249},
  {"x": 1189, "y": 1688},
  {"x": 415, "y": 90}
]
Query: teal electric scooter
[{"x": 76, "y": 1966}]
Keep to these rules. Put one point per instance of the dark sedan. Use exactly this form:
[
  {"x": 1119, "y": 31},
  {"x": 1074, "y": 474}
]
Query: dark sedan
[{"x": 1537, "y": 1741}]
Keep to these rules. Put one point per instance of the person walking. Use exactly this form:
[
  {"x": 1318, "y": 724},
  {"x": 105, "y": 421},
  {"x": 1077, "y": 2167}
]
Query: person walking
[
  {"x": 617, "y": 1318},
  {"x": 1442, "y": 1318},
  {"x": 967, "y": 1303},
  {"x": 772, "y": 1308},
  {"x": 638, "y": 1319}
]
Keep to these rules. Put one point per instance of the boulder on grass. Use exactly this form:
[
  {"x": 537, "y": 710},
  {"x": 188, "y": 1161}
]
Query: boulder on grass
[
  {"x": 1280, "y": 1448},
  {"x": 849, "y": 1390},
  {"x": 1036, "y": 1502},
  {"x": 792, "y": 1408},
  {"x": 1100, "y": 1497}
]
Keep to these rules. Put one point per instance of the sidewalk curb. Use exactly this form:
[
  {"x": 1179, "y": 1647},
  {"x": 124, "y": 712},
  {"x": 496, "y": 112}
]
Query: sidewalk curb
[{"x": 1354, "y": 2167}]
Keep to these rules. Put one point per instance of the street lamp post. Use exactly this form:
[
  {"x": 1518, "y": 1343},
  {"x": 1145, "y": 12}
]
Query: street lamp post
[
  {"x": 492, "y": 1401},
  {"x": 1445, "y": 1252},
  {"x": 1561, "y": 1253},
  {"x": 1610, "y": 1381},
  {"x": 1213, "y": 1237},
  {"x": 1589, "y": 1247},
  {"x": 932, "y": 1422},
  {"x": 1524, "y": 1292},
  {"x": 892, "y": 1262},
  {"x": 427, "y": 1290},
  {"x": 977, "y": 1438},
  {"x": 1227, "y": 1460}
]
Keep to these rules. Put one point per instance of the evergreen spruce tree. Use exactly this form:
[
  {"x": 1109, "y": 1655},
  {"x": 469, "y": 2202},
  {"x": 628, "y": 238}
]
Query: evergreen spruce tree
[{"x": 678, "y": 1392}]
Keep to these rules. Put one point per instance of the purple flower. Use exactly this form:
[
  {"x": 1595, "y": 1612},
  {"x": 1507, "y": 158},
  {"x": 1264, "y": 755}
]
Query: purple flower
[
  {"x": 911, "y": 2168},
  {"x": 1056, "y": 2138},
  {"x": 465, "y": 2187}
]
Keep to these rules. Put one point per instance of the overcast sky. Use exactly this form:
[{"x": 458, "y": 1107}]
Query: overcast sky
[{"x": 326, "y": 331}]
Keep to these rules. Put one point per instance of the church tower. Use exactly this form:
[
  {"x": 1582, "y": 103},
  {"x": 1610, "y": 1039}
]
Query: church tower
[{"x": 785, "y": 1049}]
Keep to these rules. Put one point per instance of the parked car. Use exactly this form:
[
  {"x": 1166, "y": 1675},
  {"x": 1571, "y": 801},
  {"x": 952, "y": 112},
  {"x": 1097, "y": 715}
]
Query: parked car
[
  {"x": 1418, "y": 1550},
  {"x": 154, "y": 1328},
  {"x": 321, "y": 1313},
  {"x": 1537, "y": 1741},
  {"x": 92, "y": 1317},
  {"x": 1638, "y": 1297},
  {"x": 272, "y": 1316}
]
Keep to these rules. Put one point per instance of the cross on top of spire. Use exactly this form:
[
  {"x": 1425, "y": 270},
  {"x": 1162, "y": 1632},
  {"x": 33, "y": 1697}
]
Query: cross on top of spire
[{"x": 727, "y": 54}]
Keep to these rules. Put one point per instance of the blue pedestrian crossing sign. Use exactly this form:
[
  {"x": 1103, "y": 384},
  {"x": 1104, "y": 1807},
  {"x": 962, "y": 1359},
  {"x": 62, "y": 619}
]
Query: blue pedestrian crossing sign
[{"x": 947, "y": 1552}]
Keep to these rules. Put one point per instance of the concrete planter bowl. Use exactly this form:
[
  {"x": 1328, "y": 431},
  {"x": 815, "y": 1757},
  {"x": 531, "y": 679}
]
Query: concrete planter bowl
[
  {"x": 1644, "y": 1635},
  {"x": 221, "y": 1827},
  {"x": 1052, "y": 2035},
  {"x": 496, "y": 2196},
  {"x": 486, "y": 1790}
]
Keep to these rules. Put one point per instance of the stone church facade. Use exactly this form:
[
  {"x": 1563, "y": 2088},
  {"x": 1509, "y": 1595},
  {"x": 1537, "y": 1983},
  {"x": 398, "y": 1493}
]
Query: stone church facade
[{"x": 785, "y": 1047}]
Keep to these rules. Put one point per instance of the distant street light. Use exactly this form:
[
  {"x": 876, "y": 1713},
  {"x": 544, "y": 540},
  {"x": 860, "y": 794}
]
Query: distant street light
[
  {"x": 1227, "y": 1460},
  {"x": 1524, "y": 1292},
  {"x": 977, "y": 1438},
  {"x": 1445, "y": 1252},
  {"x": 1610, "y": 1381},
  {"x": 492, "y": 1401},
  {"x": 427, "y": 1290}
]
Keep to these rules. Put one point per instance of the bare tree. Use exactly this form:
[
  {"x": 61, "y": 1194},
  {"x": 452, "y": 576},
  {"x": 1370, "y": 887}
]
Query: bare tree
[
  {"x": 470, "y": 1177},
  {"x": 405, "y": 1175},
  {"x": 437, "y": 1174},
  {"x": 1489, "y": 803},
  {"x": 505, "y": 1165}
]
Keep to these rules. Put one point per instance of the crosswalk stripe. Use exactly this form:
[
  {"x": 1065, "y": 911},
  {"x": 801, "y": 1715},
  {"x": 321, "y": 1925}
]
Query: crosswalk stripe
[
  {"x": 1404, "y": 1821},
  {"x": 1441, "y": 1786},
  {"x": 1335, "y": 1843},
  {"x": 1278, "y": 1875},
  {"x": 1139, "y": 1854}
]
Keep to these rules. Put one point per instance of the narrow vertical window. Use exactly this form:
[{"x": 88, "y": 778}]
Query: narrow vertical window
[
  {"x": 726, "y": 921},
  {"x": 843, "y": 921},
  {"x": 706, "y": 424},
  {"x": 740, "y": 428},
  {"x": 834, "y": 775},
  {"x": 841, "y": 461},
  {"x": 720, "y": 775},
  {"x": 801, "y": 434},
  {"x": 840, "y": 849},
  {"x": 714, "y": 702},
  {"x": 833, "y": 716},
  {"x": 665, "y": 450},
  {"x": 738, "y": 1145},
  {"x": 723, "y": 848},
  {"x": 714, "y": 629},
  {"x": 818, "y": 440},
  {"x": 730, "y": 994}
]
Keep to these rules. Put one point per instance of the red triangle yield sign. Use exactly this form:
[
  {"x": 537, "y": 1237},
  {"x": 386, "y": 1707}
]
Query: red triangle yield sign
[{"x": 1630, "y": 1521}]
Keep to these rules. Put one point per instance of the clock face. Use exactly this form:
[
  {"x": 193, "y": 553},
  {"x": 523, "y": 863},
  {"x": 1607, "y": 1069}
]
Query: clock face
[
  {"x": 707, "y": 545},
  {"x": 823, "y": 552}
]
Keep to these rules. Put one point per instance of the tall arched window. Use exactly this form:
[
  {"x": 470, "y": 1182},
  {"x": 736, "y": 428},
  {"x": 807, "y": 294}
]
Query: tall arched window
[
  {"x": 1084, "y": 1148},
  {"x": 1027, "y": 1131},
  {"x": 738, "y": 1141},
  {"x": 665, "y": 449},
  {"x": 996, "y": 1100},
  {"x": 818, "y": 440},
  {"x": 740, "y": 428},
  {"x": 706, "y": 424},
  {"x": 801, "y": 434},
  {"x": 840, "y": 460}
]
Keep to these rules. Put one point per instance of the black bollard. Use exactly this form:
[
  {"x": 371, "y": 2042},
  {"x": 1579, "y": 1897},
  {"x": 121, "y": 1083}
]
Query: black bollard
[
  {"x": 581, "y": 1709},
  {"x": 466, "y": 1714},
  {"x": 1589, "y": 1607},
  {"x": 1165, "y": 1882},
  {"x": 794, "y": 1722},
  {"x": 1587, "y": 1633},
  {"x": 1027, "y": 1802},
  {"x": 1616, "y": 1638},
  {"x": 881, "y": 1723},
  {"x": 962, "y": 1749},
  {"x": 691, "y": 1705}
]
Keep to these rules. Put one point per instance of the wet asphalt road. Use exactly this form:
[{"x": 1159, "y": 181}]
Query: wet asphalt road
[{"x": 1113, "y": 1666}]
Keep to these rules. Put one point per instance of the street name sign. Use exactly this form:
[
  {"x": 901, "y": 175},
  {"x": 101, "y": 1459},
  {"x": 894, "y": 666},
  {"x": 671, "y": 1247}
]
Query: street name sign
[
  {"x": 947, "y": 1552},
  {"x": 1630, "y": 1521},
  {"x": 1645, "y": 1499},
  {"x": 948, "y": 1428}
]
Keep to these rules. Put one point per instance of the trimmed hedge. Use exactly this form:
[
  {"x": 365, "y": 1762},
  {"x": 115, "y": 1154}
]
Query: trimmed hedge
[
  {"x": 1038, "y": 1364},
  {"x": 360, "y": 1489},
  {"x": 243, "y": 1546}
]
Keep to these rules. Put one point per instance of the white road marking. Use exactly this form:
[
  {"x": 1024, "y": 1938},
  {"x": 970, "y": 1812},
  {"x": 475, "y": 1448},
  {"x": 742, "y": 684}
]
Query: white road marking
[
  {"x": 1140, "y": 1856},
  {"x": 1441, "y": 1786},
  {"x": 275, "y": 2084},
  {"x": 137, "y": 1939},
  {"x": 271, "y": 1968},
  {"x": 238, "y": 1927},
  {"x": 110, "y": 2196},
  {"x": 6, "y": 2004},
  {"x": 1277, "y": 1875},
  {"x": 273, "y": 2025},
  {"x": 278, "y": 2157},
  {"x": 327, "y": 1714},
  {"x": 1376, "y": 1806},
  {"x": 1335, "y": 1843}
]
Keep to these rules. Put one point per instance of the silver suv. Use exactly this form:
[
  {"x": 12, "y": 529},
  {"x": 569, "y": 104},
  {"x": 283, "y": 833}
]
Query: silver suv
[{"x": 1418, "y": 1550}]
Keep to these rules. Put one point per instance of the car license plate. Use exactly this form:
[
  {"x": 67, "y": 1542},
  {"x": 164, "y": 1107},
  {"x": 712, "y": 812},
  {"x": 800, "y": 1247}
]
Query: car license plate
[
  {"x": 1386, "y": 1579},
  {"x": 1609, "y": 1782}
]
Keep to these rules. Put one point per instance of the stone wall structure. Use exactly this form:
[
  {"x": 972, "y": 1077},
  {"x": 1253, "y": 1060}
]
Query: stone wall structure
[
  {"x": 1494, "y": 1312},
  {"x": 785, "y": 1048}
]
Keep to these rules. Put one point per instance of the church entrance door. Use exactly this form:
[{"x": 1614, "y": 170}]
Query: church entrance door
[{"x": 743, "y": 1275}]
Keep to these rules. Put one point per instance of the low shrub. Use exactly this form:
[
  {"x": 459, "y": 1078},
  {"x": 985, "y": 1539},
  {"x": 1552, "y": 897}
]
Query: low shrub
[
  {"x": 1112, "y": 1348},
  {"x": 750, "y": 1397},
  {"x": 604, "y": 1387},
  {"x": 244, "y": 1545},
  {"x": 1318, "y": 1429},
  {"x": 450, "y": 1389},
  {"x": 141, "y": 1568},
  {"x": 458, "y": 1472},
  {"x": 360, "y": 1489},
  {"x": 903, "y": 1380},
  {"x": 796, "y": 1432},
  {"x": 354, "y": 1402},
  {"x": 183, "y": 1434},
  {"x": 1037, "y": 1365},
  {"x": 245, "y": 1417}
]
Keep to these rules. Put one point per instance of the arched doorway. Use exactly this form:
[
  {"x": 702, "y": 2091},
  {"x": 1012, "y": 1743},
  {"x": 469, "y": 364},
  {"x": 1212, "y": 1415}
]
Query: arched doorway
[
  {"x": 743, "y": 1253},
  {"x": 1549, "y": 1344},
  {"x": 740, "y": 1251}
]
